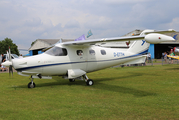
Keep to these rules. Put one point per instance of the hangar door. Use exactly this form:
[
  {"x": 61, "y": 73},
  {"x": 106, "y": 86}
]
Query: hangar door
[{"x": 160, "y": 48}]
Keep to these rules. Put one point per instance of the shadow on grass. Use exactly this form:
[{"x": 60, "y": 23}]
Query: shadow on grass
[
  {"x": 172, "y": 68},
  {"x": 99, "y": 84},
  {"x": 121, "y": 89},
  {"x": 126, "y": 90}
]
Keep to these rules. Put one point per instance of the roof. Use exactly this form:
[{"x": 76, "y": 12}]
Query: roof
[{"x": 43, "y": 43}]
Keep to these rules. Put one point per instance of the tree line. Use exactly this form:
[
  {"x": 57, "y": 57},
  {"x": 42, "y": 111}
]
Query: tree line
[{"x": 5, "y": 44}]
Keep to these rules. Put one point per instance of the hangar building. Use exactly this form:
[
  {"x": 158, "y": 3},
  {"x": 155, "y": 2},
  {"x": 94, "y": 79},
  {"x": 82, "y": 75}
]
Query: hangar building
[{"x": 40, "y": 44}]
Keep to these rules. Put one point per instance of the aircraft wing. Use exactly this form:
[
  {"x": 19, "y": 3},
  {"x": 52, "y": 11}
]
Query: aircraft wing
[{"x": 94, "y": 41}]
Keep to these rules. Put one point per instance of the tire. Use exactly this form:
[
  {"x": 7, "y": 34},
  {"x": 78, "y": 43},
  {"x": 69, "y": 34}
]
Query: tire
[
  {"x": 72, "y": 80},
  {"x": 30, "y": 85},
  {"x": 89, "y": 82}
]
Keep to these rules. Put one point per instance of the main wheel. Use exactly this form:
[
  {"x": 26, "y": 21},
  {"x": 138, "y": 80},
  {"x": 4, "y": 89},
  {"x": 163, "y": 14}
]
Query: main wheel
[
  {"x": 89, "y": 82},
  {"x": 30, "y": 85},
  {"x": 72, "y": 80}
]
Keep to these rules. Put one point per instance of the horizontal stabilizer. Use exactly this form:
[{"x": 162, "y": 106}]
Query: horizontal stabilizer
[{"x": 161, "y": 31}]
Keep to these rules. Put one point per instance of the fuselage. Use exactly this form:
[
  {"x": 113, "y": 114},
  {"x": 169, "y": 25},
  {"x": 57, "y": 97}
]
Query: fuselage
[{"x": 59, "y": 59}]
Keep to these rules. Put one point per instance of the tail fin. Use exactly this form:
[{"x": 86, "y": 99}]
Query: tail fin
[{"x": 140, "y": 46}]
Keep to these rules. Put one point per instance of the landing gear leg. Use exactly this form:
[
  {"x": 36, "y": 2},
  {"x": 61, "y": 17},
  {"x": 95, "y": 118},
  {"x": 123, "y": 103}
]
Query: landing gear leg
[
  {"x": 31, "y": 84},
  {"x": 72, "y": 80},
  {"x": 89, "y": 82}
]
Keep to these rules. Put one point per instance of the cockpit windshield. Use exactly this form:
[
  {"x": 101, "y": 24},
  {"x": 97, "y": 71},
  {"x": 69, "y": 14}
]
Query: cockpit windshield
[{"x": 57, "y": 51}]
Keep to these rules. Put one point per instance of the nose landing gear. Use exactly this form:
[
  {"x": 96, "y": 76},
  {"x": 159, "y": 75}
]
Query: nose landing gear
[{"x": 31, "y": 84}]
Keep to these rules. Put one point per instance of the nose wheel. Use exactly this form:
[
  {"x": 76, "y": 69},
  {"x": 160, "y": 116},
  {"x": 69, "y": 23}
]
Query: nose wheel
[{"x": 31, "y": 84}]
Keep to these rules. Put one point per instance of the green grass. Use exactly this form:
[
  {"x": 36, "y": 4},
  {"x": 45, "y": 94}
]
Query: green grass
[{"x": 150, "y": 92}]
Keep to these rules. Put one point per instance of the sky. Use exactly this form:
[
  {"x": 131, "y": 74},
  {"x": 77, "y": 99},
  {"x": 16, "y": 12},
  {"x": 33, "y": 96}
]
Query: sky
[{"x": 24, "y": 21}]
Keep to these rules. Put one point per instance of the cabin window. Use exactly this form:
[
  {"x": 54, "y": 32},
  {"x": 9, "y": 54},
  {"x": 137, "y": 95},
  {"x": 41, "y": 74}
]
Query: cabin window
[
  {"x": 103, "y": 52},
  {"x": 79, "y": 52},
  {"x": 57, "y": 51},
  {"x": 92, "y": 52}
]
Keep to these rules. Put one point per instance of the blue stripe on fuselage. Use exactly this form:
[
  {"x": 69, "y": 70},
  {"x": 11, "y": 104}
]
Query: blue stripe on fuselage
[{"x": 25, "y": 68}]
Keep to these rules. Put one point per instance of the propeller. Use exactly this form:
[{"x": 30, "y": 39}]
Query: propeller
[
  {"x": 8, "y": 62},
  {"x": 10, "y": 59}
]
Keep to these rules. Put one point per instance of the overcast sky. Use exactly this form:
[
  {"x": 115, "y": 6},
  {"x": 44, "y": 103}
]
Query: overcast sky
[{"x": 24, "y": 21}]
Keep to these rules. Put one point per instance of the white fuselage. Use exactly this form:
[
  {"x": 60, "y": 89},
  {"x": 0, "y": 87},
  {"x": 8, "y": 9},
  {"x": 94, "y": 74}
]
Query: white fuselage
[{"x": 91, "y": 59}]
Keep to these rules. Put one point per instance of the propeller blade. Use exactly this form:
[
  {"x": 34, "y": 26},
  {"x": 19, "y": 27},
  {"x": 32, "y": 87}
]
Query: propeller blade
[
  {"x": 7, "y": 56},
  {"x": 10, "y": 54},
  {"x": 10, "y": 71},
  {"x": 10, "y": 67}
]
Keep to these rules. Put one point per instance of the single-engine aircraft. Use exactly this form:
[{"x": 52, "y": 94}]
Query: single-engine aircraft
[{"x": 72, "y": 60}]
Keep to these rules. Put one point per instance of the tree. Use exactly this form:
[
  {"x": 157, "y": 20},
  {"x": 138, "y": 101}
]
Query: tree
[
  {"x": 5, "y": 44},
  {"x": 33, "y": 42}
]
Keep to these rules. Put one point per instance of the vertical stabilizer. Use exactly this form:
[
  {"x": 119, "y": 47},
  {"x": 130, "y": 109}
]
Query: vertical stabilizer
[{"x": 140, "y": 46}]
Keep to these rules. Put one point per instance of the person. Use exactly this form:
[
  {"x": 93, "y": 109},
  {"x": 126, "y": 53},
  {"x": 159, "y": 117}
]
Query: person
[
  {"x": 3, "y": 60},
  {"x": 20, "y": 56},
  {"x": 172, "y": 54},
  {"x": 163, "y": 54},
  {"x": 165, "y": 57},
  {"x": 149, "y": 57},
  {"x": 79, "y": 52}
]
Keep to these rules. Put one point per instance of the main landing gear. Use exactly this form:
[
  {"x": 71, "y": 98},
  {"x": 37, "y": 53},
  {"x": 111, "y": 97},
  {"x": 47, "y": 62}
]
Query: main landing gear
[
  {"x": 31, "y": 84},
  {"x": 88, "y": 81}
]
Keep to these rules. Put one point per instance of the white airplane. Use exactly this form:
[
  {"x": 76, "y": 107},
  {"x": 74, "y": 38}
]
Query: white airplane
[{"x": 72, "y": 60}]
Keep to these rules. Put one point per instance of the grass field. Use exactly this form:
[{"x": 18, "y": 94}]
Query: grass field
[{"x": 150, "y": 92}]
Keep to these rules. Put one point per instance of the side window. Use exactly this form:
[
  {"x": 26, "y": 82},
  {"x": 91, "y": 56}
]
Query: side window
[
  {"x": 91, "y": 52},
  {"x": 57, "y": 51},
  {"x": 103, "y": 52},
  {"x": 79, "y": 52},
  {"x": 64, "y": 52}
]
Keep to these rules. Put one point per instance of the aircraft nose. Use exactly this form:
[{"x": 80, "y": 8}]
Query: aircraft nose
[
  {"x": 6, "y": 63},
  {"x": 17, "y": 63}
]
